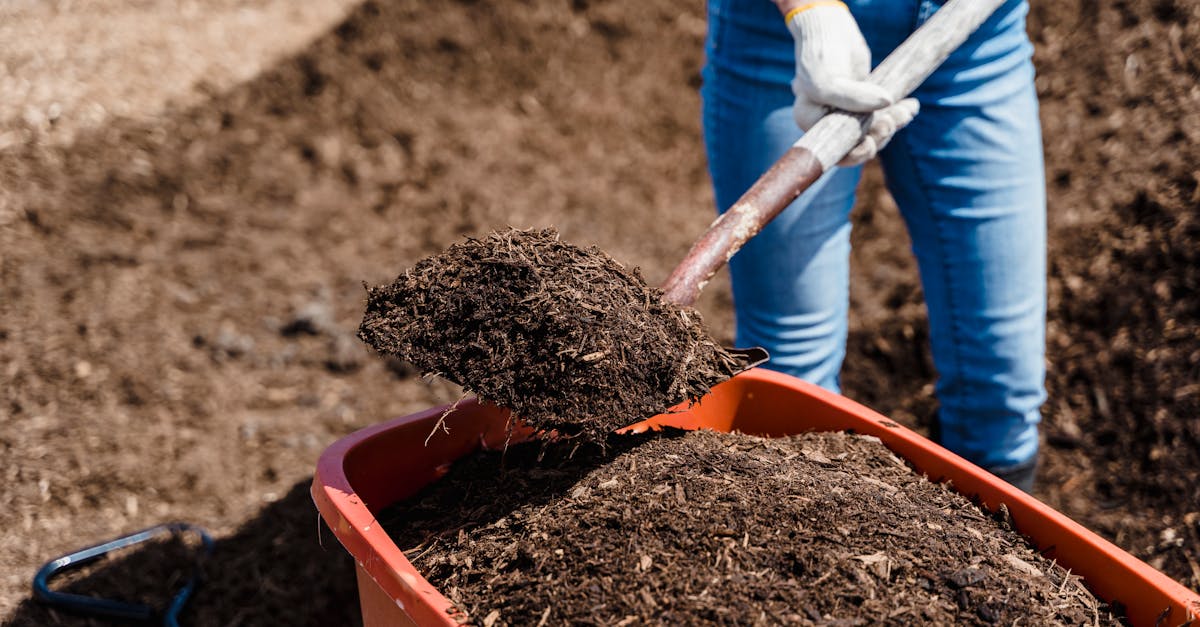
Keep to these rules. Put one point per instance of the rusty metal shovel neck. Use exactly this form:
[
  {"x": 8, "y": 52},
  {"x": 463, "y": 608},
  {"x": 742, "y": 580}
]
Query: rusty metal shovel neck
[
  {"x": 825, "y": 144},
  {"x": 770, "y": 194}
]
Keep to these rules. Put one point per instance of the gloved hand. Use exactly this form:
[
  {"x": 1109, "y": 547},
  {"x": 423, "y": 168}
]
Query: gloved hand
[{"x": 832, "y": 64}]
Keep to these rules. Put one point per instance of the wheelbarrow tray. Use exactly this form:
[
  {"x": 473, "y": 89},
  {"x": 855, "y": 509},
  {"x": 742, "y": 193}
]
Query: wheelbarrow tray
[{"x": 365, "y": 472}]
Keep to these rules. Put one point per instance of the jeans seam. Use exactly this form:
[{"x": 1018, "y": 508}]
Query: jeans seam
[
  {"x": 718, "y": 114},
  {"x": 719, "y": 27},
  {"x": 955, "y": 331}
]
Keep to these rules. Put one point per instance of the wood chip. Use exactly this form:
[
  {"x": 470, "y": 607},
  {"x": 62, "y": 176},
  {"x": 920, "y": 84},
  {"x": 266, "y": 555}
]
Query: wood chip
[
  {"x": 1023, "y": 566},
  {"x": 879, "y": 563}
]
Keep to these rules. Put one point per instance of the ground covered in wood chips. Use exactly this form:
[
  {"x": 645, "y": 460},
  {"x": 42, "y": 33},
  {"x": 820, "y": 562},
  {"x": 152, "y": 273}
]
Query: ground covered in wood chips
[
  {"x": 193, "y": 193},
  {"x": 706, "y": 527},
  {"x": 566, "y": 337}
]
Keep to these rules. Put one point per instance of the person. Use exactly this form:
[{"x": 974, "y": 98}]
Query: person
[{"x": 966, "y": 173}]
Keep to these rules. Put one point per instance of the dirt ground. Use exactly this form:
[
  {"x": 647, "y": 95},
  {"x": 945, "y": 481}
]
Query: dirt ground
[{"x": 192, "y": 194}]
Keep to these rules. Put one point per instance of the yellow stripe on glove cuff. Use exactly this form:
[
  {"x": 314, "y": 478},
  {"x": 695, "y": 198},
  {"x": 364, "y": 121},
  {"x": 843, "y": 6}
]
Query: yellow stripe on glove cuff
[{"x": 812, "y": 5}]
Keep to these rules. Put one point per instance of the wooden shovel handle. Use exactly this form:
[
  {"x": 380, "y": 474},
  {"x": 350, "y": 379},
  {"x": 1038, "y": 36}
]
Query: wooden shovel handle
[{"x": 822, "y": 146}]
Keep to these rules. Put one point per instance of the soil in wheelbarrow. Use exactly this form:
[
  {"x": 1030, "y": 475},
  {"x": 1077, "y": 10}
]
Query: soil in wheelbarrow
[
  {"x": 566, "y": 337},
  {"x": 701, "y": 527}
]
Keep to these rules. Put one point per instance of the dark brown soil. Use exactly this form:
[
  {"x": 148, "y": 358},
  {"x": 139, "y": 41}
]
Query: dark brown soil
[
  {"x": 566, "y": 337},
  {"x": 180, "y": 284},
  {"x": 722, "y": 529}
]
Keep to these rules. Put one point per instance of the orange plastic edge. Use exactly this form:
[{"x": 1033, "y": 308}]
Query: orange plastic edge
[{"x": 379, "y": 465}]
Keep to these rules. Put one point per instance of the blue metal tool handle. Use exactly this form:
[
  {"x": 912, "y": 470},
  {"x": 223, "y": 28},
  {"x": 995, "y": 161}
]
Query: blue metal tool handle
[{"x": 109, "y": 608}]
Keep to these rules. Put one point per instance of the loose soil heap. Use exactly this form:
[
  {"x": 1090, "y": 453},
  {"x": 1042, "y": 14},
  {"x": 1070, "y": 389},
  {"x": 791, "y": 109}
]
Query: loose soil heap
[
  {"x": 566, "y": 337},
  {"x": 724, "y": 529}
]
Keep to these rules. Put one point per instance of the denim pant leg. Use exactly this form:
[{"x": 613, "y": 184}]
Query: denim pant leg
[
  {"x": 968, "y": 177},
  {"x": 790, "y": 282}
]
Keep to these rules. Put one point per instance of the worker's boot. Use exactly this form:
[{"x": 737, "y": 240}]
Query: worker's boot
[{"x": 1020, "y": 475}]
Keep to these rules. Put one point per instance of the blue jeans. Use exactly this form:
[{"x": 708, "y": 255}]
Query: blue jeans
[{"x": 967, "y": 175}]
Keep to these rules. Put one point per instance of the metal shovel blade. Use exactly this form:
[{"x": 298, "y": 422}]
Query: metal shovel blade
[{"x": 754, "y": 356}]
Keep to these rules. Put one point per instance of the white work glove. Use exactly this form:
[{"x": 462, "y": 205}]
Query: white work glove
[{"x": 832, "y": 64}]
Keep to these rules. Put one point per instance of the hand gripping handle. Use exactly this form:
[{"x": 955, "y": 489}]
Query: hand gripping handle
[{"x": 822, "y": 146}]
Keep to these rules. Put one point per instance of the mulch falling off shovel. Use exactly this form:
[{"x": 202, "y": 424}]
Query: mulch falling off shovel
[{"x": 565, "y": 337}]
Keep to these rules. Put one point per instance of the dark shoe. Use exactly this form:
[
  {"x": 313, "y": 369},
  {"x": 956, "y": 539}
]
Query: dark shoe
[{"x": 1020, "y": 475}]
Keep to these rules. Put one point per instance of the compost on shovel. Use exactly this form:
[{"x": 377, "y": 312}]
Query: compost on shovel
[
  {"x": 565, "y": 337},
  {"x": 710, "y": 528}
]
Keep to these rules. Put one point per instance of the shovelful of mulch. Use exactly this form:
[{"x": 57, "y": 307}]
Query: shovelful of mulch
[{"x": 566, "y": 337}]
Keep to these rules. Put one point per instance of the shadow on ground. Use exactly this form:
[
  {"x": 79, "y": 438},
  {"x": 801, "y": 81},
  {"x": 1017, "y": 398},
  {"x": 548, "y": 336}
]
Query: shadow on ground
[{"x": 283, "y": 567}]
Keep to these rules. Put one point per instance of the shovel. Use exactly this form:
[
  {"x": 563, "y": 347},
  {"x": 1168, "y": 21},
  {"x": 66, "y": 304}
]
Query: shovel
[
  {"x": 822, "y": 146},
  {"x": 589, "y": 399}
]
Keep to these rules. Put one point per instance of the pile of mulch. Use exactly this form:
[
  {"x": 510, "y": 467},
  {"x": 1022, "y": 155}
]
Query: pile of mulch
[
  {"x": 722, "y": 528},
  {"x": 566, "y": 337}
]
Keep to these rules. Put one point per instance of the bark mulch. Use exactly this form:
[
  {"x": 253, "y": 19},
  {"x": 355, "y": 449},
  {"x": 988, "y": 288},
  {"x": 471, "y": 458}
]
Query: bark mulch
[
  {"x": 566, "y": 337},
  {"x": 704, "y": 527}
]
